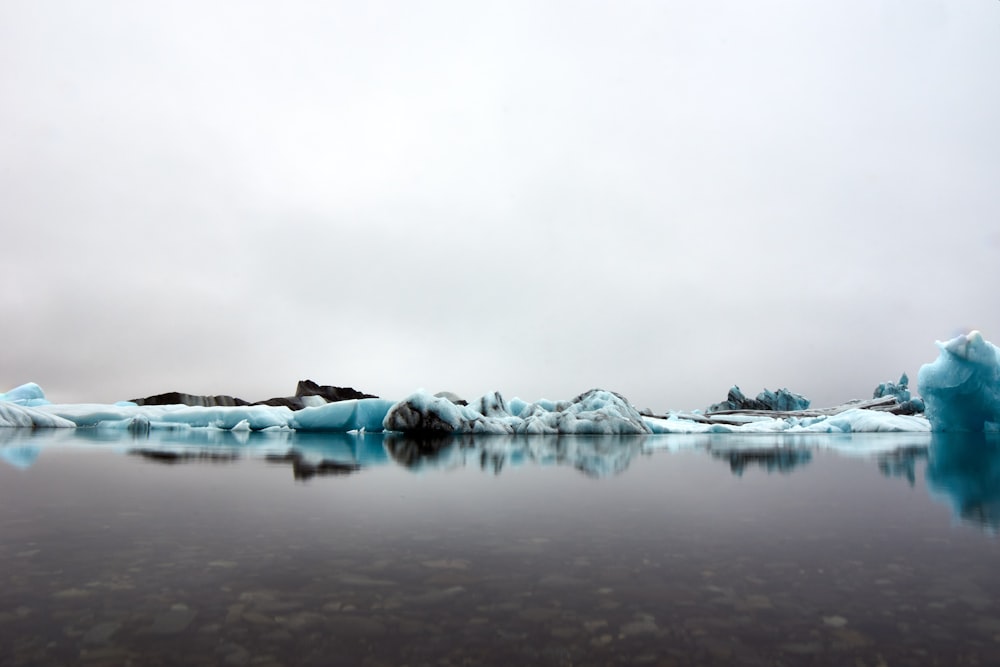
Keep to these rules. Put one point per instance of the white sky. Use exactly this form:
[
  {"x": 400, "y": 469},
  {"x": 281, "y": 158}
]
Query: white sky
[{"x": 658, "y": 198}]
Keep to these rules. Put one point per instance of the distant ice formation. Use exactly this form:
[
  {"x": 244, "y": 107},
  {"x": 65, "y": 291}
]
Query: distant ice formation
[
  {"x": 961, "y": 388},
  {"x": 596, "y": 412},
  {"x": 781, "y": 400},
  {"x": 901, "y": 392},
  {"x": 29, "y": 395}
]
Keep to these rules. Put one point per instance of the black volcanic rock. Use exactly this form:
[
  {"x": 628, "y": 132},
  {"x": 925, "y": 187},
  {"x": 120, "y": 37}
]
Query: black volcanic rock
[
  {"x": 305, "y": 388},
  {"x": 293, "y": 402},
  {"x": 331, "y": 394},
  {"x": 178, "y": 398}
]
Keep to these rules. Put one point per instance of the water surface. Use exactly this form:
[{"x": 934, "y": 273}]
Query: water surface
[{"x": 255, "y": 549}]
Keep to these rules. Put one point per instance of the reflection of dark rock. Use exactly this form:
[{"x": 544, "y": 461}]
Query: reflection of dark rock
[
  {"x": 173, "y": 457},
  {"x": 302, "y": 469},
  {"x": 965, "y": 469},
  {"x": 901, "y": 392},
  {"x": 781, "y": 460},
  {"x": 782, "y": 400},
  {"x": 304, "y": 390},
  {"x": 902, "y": 462}
]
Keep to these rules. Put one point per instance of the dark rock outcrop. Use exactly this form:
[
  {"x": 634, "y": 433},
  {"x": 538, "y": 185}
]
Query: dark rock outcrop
[
  {"x": 305, "y": 388},
  {"x": 331, "y": 394},
  {"x": 179, "y": 398}
]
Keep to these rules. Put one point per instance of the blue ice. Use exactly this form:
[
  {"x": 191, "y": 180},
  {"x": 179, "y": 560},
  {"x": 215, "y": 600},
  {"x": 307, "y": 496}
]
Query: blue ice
[{"x": 961, "y": 388}]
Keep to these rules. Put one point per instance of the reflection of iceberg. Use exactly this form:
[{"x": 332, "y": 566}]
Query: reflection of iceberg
[
  {"x": 902, "y": 462},
  {"x": 595, "y": 456},
  {"x": 21, "y": 457},
  {"x": 964, "y": 468},
  {"x": 360, "y": 450},
  {"x": 309, "y": 454},
  {"x": 781, "y": 459},
  {"x": 304, "y": 469}
]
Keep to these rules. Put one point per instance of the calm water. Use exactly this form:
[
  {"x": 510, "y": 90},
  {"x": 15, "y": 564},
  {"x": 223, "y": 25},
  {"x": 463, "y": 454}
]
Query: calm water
[{"x": 252, "y": 549}]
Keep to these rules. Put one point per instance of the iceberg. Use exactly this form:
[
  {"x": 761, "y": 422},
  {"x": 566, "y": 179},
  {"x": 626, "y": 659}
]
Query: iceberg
[
  {"x": 14, "y": 415},
  {"x": 775, "y": 459},
  {"x": 857, "y": 420},
  {"x": 595, "y": 412},
  {"x": 343, "y": 416},
  {"x": 901, "y": 392},
  {"x": 29, "y": 394},
  {"x": 852, "y": 420},
  {"x": 781, "y": 400},
  {"x": 961, "y": 388},
  {"x": 600, "y": 456}
]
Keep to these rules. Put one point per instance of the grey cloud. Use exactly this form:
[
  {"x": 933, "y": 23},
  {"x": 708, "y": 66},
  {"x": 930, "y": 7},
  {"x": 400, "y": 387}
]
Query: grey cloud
[{"x": 664, "y": 199}]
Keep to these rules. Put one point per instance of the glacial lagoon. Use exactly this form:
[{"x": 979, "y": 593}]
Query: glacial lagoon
[{"x": 223, "y": 548}]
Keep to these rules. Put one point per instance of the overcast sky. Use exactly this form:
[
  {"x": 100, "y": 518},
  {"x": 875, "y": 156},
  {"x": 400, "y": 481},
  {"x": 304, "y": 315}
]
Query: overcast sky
[{"x": 659, "y": 198}]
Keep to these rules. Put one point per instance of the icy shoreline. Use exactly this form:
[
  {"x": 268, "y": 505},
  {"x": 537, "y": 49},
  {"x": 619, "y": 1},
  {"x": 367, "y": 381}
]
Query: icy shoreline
[
  {"x": 961, "y": 388},
  {"x": 596, "y": 412}
]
